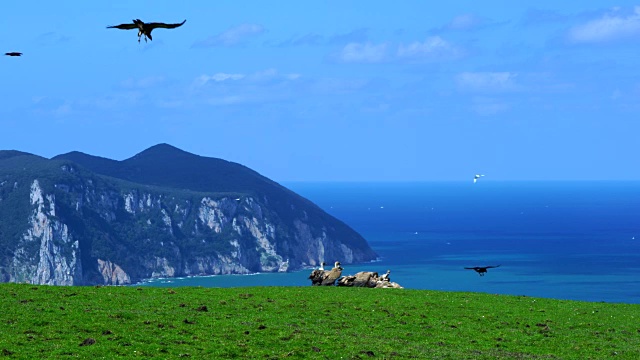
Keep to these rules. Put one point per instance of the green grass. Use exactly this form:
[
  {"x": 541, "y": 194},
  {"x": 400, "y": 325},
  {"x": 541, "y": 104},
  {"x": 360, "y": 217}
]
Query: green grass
[{"x": 307, "y": 323}]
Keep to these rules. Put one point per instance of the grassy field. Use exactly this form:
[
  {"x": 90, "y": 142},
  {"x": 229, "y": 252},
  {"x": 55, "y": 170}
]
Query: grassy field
[{"x": 307, "y": 323}]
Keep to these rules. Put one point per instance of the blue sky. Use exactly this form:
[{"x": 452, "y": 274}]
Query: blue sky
[{"x": 334, "y": 90}]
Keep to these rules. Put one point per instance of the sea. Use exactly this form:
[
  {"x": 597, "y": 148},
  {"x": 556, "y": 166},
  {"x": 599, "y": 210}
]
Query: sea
[{"x": 571, "y": 240}]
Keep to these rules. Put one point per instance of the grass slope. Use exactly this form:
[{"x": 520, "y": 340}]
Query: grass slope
[{"x": 307, "y": 323}]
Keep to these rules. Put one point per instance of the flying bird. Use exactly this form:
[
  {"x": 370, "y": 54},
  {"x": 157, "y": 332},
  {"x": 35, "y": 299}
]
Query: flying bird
[
  {"x": 481, "y": 270},
  {"x": 145, "y": 28},
  {"x": 13, "y": 53},
  {"x": 476, "y": 177}
]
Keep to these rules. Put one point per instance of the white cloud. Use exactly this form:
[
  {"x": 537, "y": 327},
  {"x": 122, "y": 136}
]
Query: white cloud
[
  {"x": 260, "y": 87},
  {"x": 433, "y": 48},
  {"x": 363, "y": 52},
  {"x": 259, "y": 76},
  {"x": 610, "y": 27},
  {"x": 487, "y": 81},
  {"x": 263, "y": 75},
  {"x": 217, "y": 77},
  {"x": 223, "y": 77},
  {"x": 233, "y": 36}
]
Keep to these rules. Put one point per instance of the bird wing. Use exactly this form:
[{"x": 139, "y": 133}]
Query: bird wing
[
  {"x": 491, "y": 267},
  {"x": 471, "y": 268},
  {"x": 123, "y": 26},
  {"x": 154, "y": 25}
]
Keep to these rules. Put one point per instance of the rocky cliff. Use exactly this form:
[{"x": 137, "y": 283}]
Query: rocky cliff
[{"x": 78, "y": 219}]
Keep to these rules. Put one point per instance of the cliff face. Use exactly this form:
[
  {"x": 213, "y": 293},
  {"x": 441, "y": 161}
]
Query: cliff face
[
  {"x": 62, "y": 224},
  {"x": 57, "y": 261}
]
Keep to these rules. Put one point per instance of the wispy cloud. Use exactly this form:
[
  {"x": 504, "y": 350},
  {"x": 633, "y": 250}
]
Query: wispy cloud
[
  {"x": 217, "y": 77},
  {"x": 487, "y": 81},
  {"x": 50, "y": 105},
  {"x": 222, "y": 89},
  {"x": 233, "y": 36},
  {"x": 433, "y": 48},
  {"x": 313, "y": 39},
  {"x": 612, "y": 26},
  {"x": 363, "y": 53},
  {"x": 258, "y": 76}
]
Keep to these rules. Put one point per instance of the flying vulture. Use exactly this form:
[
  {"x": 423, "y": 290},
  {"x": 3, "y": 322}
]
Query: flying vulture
[
  {"x": 481, "y": 270},
  {"x": 145, "y": 28}
]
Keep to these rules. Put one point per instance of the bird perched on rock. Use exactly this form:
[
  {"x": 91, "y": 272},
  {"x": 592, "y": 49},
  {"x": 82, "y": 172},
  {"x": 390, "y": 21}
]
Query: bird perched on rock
[
  {"x": 317, "y": 275},
  {"x": 145, "y": 28},
  {"x": 385, "y": 277},
  {"x": 481, "y": 270},
  {"x": 332, "y": 275},
  {"x": 321, "y": 276},
  {"x": 13, "y": 53}
]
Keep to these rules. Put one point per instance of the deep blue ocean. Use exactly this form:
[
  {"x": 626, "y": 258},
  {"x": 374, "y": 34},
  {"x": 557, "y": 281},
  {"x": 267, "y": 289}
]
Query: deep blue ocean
[{"x": 563, "y": 240}]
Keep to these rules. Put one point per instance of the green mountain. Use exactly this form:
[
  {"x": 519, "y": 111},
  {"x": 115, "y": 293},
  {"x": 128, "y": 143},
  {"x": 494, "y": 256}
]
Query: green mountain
[{"x": 81, "y": 219}]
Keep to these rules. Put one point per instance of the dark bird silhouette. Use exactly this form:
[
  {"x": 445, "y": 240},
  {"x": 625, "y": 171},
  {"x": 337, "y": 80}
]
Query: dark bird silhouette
[
  {"x": 145, "y": 28},
  {"x": 481, "y": 270},
  {"x": 13, "y": 53}
]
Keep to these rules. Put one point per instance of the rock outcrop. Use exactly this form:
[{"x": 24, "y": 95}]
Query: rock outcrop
[
  {"x": 77, "y": 219},
  {"x": 368, "y": 279}
]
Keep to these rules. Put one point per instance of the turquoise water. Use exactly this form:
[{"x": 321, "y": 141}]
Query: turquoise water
[{"x": 564, "y": 240}]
